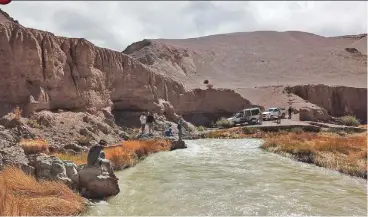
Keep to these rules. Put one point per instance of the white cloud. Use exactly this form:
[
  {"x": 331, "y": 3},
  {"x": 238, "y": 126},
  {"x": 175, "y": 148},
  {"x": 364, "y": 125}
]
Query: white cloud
[{"x": 118, "y": 24}]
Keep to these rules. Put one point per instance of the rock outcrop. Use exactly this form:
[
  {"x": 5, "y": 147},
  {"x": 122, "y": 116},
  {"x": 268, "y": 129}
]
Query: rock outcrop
[
  {"x": 41, "y": 71},
  {"x": 337, "y": 100},
  {"x": 97, "y": 183}
]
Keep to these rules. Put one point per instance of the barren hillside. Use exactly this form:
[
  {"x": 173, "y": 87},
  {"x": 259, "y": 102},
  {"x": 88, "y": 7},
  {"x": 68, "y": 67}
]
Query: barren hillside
[
  {"x": 267, "y": 59},
  {"x": 240, "y": 60}
]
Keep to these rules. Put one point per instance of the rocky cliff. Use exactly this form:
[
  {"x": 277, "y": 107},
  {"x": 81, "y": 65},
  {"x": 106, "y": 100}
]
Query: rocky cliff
[
  {"x": 42, "y": 71},
  {"x": 337, "y": 100}
]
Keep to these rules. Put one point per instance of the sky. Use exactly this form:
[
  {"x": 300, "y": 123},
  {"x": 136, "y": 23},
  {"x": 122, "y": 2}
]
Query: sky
[{"x": 116, "y": 25}]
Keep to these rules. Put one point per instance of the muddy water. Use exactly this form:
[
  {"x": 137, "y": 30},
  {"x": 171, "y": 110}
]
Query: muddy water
[{"x": 232, "y": 177}]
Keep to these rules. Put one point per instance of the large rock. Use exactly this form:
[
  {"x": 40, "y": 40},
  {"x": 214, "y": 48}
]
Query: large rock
[
  {"x": 178, "y": 145},
  {"x": 95, "y": 182},
  {"x": 15, "y": 156},
  {"x": 49, "y": 168},
  {"x": 313, "y": 114}
]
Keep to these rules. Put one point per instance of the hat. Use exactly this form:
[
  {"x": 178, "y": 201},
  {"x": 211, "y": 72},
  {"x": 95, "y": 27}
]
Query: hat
[{"x": 102, "y": 142}]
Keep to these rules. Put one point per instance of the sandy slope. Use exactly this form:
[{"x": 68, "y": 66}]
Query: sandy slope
[{"x": 240, "y": 60}]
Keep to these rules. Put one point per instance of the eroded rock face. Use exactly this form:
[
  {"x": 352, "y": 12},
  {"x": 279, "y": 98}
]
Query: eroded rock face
[
  {"x": 42, "y": 71},
  {"x": 338, "y": 101}
]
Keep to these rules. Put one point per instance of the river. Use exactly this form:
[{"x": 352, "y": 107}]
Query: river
[{"x": 232, "y": 177}]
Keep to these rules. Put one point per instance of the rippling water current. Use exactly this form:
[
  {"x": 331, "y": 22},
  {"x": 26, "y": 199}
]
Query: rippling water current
[{"x": 232, "y": 177}]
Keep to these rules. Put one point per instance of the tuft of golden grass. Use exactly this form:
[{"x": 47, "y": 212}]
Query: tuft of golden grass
[
  {"x": 125, "y": 154},
  {"x": 22, "y": 195},
  {"x": 347, "y": 154},
  {"x": 34, "y": 146},
  {"x": 16, "y": 113},
  {"x": 77, "y": 159}
]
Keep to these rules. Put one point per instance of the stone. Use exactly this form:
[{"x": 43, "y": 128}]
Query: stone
[
  {"x": 8, "y": 121},
  {"x": 95, "y": 183},
  {"x": 74, "y": 147},
  {"x": 49, "y": 168},
  {"x": 312, "y": 114},
  {"x": 178, "y": 145}
]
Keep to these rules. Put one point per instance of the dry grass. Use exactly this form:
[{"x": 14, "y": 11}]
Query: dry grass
[
  {"x": 16, "y": 113},
  {"x": 235, "y": 133},
  {"x": 126, "y": 154},
  {"x": 34, "y": 146},
  {"x": 22, "y": 195},
  {"x": 347, "y": 154},
  {"x": 77, "y": 159}
]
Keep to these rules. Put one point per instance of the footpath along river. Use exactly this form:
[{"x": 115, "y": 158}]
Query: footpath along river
[{"x": 232, "y": 177}]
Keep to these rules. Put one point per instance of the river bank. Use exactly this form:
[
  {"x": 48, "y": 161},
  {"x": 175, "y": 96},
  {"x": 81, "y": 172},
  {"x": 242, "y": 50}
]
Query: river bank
[
  {"x": 341, "y": 150},
  {"x": 55, "y": 197}
]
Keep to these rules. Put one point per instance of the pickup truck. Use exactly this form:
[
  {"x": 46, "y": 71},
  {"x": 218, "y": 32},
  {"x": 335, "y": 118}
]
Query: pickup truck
[{"x": 271, "y": 113}]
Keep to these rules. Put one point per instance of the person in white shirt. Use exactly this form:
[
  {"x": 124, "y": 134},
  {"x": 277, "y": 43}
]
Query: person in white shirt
[{"x": 143, "y": 119}]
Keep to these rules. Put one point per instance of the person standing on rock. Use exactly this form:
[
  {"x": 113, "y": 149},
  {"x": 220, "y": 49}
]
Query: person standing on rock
[
  {"x": 143, "y": 119},
  {"x": 96, "y": 157},
  {"x": 180, "y": 127},
  {"x": 150, "y": 121}
]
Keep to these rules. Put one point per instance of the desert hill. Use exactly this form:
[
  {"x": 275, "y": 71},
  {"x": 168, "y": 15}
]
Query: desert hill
[
  {"x": 251, "y": 59},
  {"x": 271, "y": 60}
]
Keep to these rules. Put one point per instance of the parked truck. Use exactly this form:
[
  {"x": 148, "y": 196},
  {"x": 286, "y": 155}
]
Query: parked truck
[
  {"x": 250, "y": 116},
  {"x": 272, "y": 113}
]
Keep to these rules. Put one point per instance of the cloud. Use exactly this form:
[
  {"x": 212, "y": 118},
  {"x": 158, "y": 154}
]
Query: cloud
[{"x": 115, "y": 24}]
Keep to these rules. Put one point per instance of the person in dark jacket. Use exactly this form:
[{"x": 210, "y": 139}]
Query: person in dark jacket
[
  {"x": 180, "y": 127},
  {"x": 289, "y": 112},
  {"x": 150, "y": 120},
  {"x": 96, "y": 157}
]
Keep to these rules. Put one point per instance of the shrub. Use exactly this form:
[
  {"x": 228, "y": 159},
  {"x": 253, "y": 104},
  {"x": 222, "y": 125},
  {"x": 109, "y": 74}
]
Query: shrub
[
  {"x": 349, "y": 120},
  {"x": 22, "y": 195},
  {"x": 249, "y": 130},
  {"x": 33, "y": 123},
  {"x": 201, "y": 128},
  {"x": 297, "y": 130},
  {"x": 34, "y": 146},
  {"x": 223, "y": 122},
  {"x": 16, "y": 113}
]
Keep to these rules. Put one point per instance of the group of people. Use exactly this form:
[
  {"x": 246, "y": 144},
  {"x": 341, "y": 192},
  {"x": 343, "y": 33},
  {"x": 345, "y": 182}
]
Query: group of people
[{"x": 149, "y": 120}]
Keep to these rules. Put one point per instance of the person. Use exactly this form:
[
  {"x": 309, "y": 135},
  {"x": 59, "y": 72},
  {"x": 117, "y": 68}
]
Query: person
[
  {"x": 96, "y": 157},
  {"x": 142, "y": 119},
  {"x": 150, "y": 120},
  {"x": 168, "y": 131},
  {"x": 289, "y": 111},
  {"x": 180, "y": 127},
  {"x": 278, "y": 120}
]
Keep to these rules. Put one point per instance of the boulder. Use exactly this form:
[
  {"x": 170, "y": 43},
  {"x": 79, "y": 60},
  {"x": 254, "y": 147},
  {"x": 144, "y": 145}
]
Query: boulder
[
  {"x": 14, "y": 156},
  {"x": 72, "y": 173},
  {"x": 74, "y": 147},
  {"x": 178, "y": 145},
  {"x": 49, "y": 168},
  {"x": 311, "y": 114},
  {"x": 96, "y": 183},
  {"x": 9, "y": 121}
]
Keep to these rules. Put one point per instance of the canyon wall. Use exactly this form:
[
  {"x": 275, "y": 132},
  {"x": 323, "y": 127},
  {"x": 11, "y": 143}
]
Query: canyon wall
[
  {"x": 42, "y": 71},
  {"x": 337, "y": 100}
]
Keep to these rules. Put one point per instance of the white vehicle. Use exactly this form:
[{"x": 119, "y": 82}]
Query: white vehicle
[
  {"x": 272, "y": 113},
  {"x": 250, "y": 116}
]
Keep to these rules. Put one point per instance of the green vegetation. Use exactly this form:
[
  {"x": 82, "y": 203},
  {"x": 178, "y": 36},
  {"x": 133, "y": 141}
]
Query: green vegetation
[
  {"x": 224, "y": 123},
  {"x": 349, "y": 120}
]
